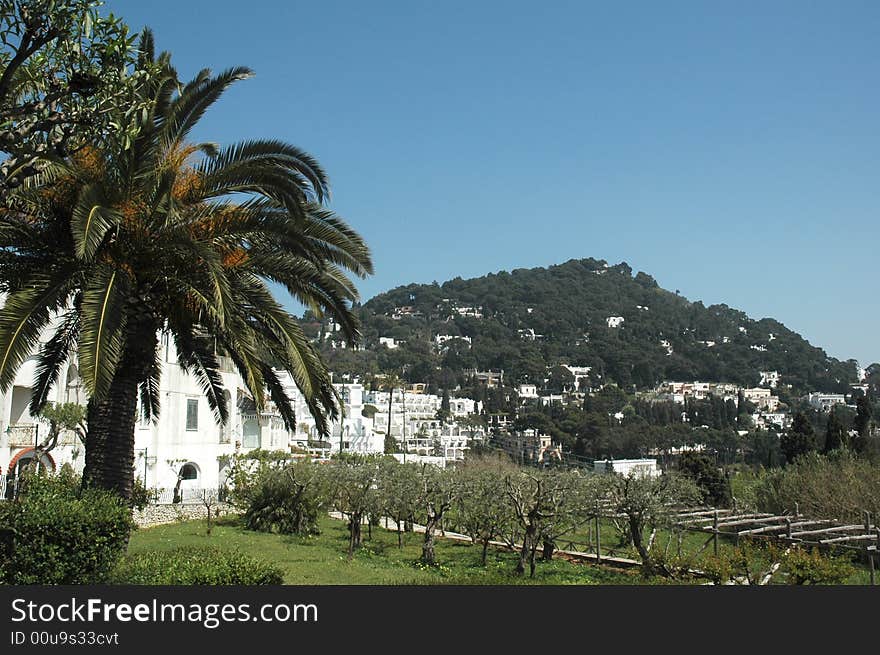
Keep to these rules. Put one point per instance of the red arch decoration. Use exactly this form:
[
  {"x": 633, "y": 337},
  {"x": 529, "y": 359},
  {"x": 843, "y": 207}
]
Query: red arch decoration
[{"x": 22, "y": 453}]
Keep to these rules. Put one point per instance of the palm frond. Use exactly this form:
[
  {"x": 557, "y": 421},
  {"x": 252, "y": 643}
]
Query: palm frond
[
  {"x": 53, "y": 355},
  {"x": 102, "y": 329},
  {"x": 24, "y": 315},
  {"x": 283, "y": 402},
  {"x": 149, "y": 390},
  {"x": 90, "y": 219},
  {"x": 194, "y": 101}
]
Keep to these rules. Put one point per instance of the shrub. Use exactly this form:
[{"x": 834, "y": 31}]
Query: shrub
[
  {"x": 245, "y": 471},
  {"x": 755, "y": 563},
  {"x": 839, "y": 486},
  {"x": 60, "y": 534},
  {"x": 286, "y": 500},
  {"x": 713, "y": 484},
  {"x": 140, "y": 495},
  {"x": 195, "y": 565},
  {"x": 811, "y": 567}
]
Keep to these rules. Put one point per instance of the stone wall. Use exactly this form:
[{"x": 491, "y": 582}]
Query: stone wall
[{"x": 172, "y": 513}]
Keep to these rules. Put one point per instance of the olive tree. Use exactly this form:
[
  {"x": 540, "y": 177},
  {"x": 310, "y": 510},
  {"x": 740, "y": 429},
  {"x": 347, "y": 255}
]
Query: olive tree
[
  {"x": 438, "y": 490},
  {"x": 540, "y": 508},
  {"x": 577, "y": 495},
  {"x": 482, "y": 509},
  {"x": 398, "y": 492},
  {"x": 649, "y": 503},
  {"x": 352, "y": 491},
  {"x": 61, "y": 417}
]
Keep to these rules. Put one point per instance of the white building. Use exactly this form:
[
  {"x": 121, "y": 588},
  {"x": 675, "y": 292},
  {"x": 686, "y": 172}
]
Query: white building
[
  {"x": 389, "y": 342},
  {"x": 769, "y": 379},
  {"x": 442, "y": 339},
  {"x": 415, "y": 426},
  {"x": 20, "y": 432},
  {"x": 636, "y": 467},
  {"x": 527, "y": 391},
  {"x": 185, "y": 447},
  {"x": 825, "y": 401},
  {"x": 772, "y": 420},
  {"x": 763, "y": 399},
  {"x": 474, "y": 312},
  {"x": 579, "y": 373},
  {"x": 614, "y": 321}
]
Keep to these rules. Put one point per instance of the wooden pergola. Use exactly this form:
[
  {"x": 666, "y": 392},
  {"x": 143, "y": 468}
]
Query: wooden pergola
[{"x": 784, "y": 528}]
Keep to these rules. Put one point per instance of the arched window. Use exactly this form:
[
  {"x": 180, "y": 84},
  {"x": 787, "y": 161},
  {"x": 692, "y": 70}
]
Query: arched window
[
  {"x": 73, "y": 385},
  {"x": 189, "y": 471}
]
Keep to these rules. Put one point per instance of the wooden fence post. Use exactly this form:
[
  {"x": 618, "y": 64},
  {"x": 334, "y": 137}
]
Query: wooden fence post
[
  {"x": 598, "y": 537},
  {"x": 715, "y": 532},
  {"x": 869, "y": 553},
  {"x": 875, "y": 554}
]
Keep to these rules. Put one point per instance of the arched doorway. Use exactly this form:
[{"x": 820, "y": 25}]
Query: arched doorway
[
  {"x": 19, "y": 463},
  {"x": 187, "y": 478}
]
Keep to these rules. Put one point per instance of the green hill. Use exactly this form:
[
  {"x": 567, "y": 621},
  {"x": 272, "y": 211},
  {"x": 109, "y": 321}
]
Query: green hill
[{"x": 531, "y": 319}]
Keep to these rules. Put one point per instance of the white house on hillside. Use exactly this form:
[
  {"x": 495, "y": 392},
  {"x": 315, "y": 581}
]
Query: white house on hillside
[{"x": 636, "y": 467}]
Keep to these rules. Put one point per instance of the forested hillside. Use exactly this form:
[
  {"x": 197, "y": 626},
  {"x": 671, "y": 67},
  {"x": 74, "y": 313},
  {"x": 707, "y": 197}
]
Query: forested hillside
[{"x": 528, "y": 320}]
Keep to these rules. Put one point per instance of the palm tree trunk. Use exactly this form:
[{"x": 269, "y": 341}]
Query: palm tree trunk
[{"x": 109, "y": 456}]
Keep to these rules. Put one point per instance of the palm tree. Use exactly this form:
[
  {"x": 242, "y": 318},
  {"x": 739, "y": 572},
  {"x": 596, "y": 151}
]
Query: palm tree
[
  {"x": 390, "y": 382},
  {"x": 125, "y": 242}
]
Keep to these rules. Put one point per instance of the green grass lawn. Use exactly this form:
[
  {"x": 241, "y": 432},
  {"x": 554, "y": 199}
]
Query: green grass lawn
[{"x": 323, "y": 559}]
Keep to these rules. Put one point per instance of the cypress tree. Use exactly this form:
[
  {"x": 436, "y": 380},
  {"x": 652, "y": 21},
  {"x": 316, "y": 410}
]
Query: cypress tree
[{"x": 835, "y": 438}]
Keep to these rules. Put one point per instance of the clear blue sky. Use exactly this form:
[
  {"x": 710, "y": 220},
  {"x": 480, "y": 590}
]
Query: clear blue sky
[{"x": 730, "y": 149}]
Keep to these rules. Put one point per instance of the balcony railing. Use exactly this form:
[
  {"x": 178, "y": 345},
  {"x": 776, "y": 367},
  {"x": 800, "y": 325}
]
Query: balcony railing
[{"x": 21, "y": 435}]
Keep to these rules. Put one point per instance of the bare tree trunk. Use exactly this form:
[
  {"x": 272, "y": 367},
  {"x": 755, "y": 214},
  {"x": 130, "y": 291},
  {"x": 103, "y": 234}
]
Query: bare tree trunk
[
  {"x": 549, "y": 547},
  {"x": 636, "y": 533},
  {"x": 525, "y": 552},
  {"x": 354, "y": 528},
  {"x": 354, "y": 533},
  {"x": 428, "y": 545},
  {"x": 485, "y": 549}
]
